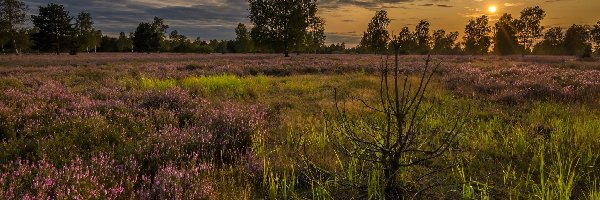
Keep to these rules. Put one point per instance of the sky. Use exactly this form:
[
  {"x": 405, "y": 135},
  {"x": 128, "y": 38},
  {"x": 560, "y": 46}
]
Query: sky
[{"x": 346, "y": 20}]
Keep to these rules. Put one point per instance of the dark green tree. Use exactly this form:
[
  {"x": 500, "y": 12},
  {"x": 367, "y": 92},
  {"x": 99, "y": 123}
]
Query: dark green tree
[
  {"x": 477, "y": 38},
  {"x": 243, "y": 42},
  {"x": 283, "y": 24},
  {"x": 315, "y": 39},
  {"x": 148, "y": 37},
  {"x": 552, "y": 44},
  {"x": 577, "y": 39},
  {"x": 4, "y": 40},
  {"x": 55, "y": 31},
  {"x": 13, "y": 14},
  {"x": 422, "y": 37},
  {"x": 124, "y": 43},
  {"x": 88, "y": 37},
  {"x": 376, "y": 38},
  {"x": 444, "y": 43},
  {"x": 505, "y": 36},
  {"x": 529, "y": 27}
]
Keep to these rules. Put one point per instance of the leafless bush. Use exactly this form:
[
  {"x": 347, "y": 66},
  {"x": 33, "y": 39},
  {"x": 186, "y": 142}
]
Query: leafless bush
[{"x": 396, "y": 136}]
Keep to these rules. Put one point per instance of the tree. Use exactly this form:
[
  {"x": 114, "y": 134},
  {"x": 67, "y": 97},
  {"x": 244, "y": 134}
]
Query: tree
[
  {"x": 283, "y": 25},
  {"x": 596, "y": 36},
  {"x": 13, "y": 14},
  {"x": 444, "y": 43},
  {"x": 149, "y": 36},
  {"x": 315, "y": 39},
  {"x": 243, "y": 42},
  {"x": 4, "y": 40},
  {"x": 552, "y": 44},
  {"x": 577, "y": 39},
  {"x": 124, "y": 43},
  {"x": 422, "y": 37},
  {"x": 505, "y": 36},
  {"x": 406, "y": 41},
  {"x": 529, "y": 26},
  {"x": 87, "y": 37},
  {"x": 54, "y": 26},
  {"x": 391, "y": 137},
  {"x": 376, "y": 38},
  {"x": 477, "y": 39}
]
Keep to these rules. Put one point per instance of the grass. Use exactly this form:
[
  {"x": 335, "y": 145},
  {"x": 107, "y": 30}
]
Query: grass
[{"x": 538, "y": 148}]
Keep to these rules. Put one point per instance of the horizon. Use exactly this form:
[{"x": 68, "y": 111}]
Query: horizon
[{"x": 345, "y": 20}]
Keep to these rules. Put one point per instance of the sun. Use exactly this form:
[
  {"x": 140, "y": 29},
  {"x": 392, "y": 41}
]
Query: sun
[{"x": 492, "y": 9}]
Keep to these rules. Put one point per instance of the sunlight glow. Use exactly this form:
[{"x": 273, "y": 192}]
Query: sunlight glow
[{"x": 492, "y": 9}]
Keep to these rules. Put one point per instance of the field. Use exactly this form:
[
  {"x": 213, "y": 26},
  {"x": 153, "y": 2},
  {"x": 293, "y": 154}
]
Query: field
[{"x": 253, "y": 126}]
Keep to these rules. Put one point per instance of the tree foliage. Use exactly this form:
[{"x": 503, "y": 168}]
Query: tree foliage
[
  {"x": 376, "y": 38},
  {"x": 243, "y": 41},
  {"x": 124, "y": 43},
  {"x": 88, "y": 37},
  {"x": 445, "y": 43},
  {"x": 422, "y": 37},
  {"x": 55, "y": 31},
  {"x": 577, "y": 39},
  {"x": 13, "y": 14},
  {"x": 284, "y": 25},
  {"x": 596, "y": 36},
  {"x": 149, "y": 36},
  {"x": 505, "y": 36},
  {"x": 529, "y": 26},
  {"x": 552, "y": 44},
  {"x": 477, "y": 38},
  {"x": 406, "y": 41}
]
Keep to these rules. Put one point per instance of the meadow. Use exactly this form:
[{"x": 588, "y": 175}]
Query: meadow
[{"x": 260, "y": 126}]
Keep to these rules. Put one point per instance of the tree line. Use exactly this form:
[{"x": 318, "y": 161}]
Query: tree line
[
  {"x": 508, "y": 36},
  {"x": 291, "y": 26}
]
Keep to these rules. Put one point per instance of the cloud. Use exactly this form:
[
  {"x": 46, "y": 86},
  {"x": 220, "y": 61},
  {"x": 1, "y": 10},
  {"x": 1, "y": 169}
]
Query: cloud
[
  {"x": 350, "y": 38},
  {"x": 206, "y": 19}
]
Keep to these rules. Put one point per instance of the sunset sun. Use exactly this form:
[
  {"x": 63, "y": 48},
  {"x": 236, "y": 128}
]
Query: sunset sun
[{"x": 492, "y": 9}]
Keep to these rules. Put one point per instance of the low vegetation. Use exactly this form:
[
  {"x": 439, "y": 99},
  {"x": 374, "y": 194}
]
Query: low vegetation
[{"x": 246, "y": 127}]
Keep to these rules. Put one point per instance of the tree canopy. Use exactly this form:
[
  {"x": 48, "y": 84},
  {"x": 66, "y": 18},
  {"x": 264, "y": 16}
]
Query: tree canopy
[
  {"x": 477, "y": 38},
  {"x": 284, "y": 25},
  {"x": 54, "y": 27},
  {"x": 13, "y": 14},
  {"x": 505, "y": 36},
  {"x": 148, "y": 36},
  {"x": 376, "y": 38}
]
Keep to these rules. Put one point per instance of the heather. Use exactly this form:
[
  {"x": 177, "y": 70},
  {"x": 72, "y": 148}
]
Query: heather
[{"x": 188, "y": 126}]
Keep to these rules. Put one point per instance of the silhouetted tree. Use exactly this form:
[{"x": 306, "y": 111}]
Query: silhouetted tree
[
  {"x": 422, "y": 37},
  {"x": 376, "y": 38},
  {"x": 149, "y": 36},
  {"x": 13, "y": 14},
  {"x": 406, "y": 41},
  {"x": 444, "y": 43},
  {"x": 4, "y": 40},
  {"x": 243, "y": 41},
  {"x": 529, "y": 26},
  {"x": 596, "y": 36},
  {"x": 315, "y": 38},
  {"x": 552, "y": 44},
  {"x": 124, "y": 43},
  {"x": 477, "y": 38},
  {"x": 505, "y": 37},
  {"x": 577, "y": 39},
  {"x": 283, "y": 24},
  {"x": 87, "y": 37},
  {"x": 55, "y": 31}
]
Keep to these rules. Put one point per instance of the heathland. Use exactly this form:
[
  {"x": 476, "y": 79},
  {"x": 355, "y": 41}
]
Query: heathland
[{"x": 259, "y": 126}]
